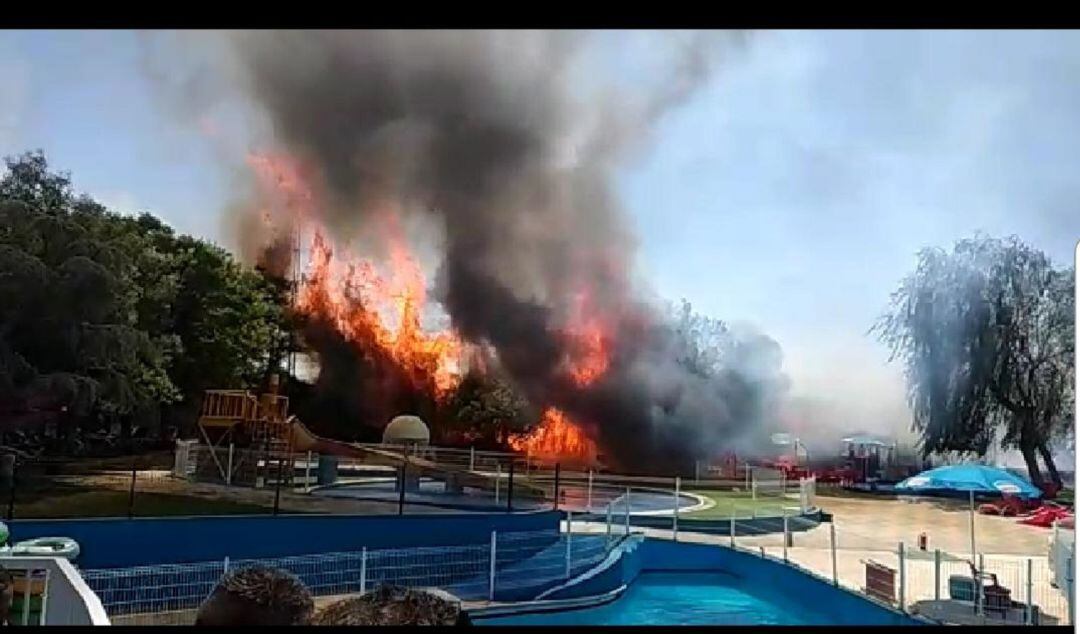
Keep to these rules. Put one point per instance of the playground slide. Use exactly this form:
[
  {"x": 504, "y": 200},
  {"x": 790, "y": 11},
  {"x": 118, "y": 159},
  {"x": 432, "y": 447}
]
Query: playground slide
[{"x": 304, "y": 440}]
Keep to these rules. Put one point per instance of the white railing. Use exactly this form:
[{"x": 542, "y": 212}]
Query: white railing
[{"x": 49, "y": 591}]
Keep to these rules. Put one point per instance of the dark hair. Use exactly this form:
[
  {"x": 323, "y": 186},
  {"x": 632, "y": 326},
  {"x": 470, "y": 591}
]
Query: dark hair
[
  {"x": 392, "y": 605},
  {"x": 257, "y": 595}
]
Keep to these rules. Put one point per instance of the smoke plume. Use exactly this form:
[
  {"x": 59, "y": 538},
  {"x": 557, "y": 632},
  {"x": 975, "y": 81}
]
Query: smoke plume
[{"x": 509, "y": 143}]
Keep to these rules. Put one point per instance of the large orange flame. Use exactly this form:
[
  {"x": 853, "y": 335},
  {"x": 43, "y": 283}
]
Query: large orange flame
[
  {"x": 375, "y": 308},
  {"x": 557, "y": 438},
  {"x": 376, "y": 311},
  {"x": 588, "y": 341}
]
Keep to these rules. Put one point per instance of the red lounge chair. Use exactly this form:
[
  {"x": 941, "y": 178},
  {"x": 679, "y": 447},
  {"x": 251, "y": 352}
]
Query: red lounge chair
[{"x": 1046, "y": 516}]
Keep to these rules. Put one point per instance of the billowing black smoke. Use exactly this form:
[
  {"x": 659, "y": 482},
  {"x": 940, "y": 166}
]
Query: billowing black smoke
[{"x": 509, "y": 142}]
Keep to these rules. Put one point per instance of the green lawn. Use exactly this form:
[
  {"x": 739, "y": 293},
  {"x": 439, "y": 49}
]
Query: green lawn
[{"x": 739, "y": 504}]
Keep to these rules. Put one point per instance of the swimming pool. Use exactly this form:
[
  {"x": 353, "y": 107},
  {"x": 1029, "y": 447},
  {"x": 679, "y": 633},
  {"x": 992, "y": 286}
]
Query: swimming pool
[{"x": 694, "y": 598}]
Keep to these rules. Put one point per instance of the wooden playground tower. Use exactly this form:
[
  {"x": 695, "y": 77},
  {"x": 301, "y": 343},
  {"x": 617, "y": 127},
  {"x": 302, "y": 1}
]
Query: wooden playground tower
[{"x": 262, "y": 425}]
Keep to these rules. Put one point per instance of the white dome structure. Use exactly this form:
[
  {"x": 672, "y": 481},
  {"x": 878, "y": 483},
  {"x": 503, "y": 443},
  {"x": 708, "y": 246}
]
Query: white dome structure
[{"x": 406, "y": 430}]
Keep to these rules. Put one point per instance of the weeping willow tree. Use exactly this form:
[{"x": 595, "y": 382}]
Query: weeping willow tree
[{"x": 986, "y": 337}]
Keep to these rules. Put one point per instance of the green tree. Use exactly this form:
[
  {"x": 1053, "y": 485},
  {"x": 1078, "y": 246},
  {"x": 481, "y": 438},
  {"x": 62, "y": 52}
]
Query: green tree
[
  {"x": 986, "y": 337},
  {"x": 111, "y": 317},
  {"x": 231, "y": 321},
  {"x": 488, "y": 408}
]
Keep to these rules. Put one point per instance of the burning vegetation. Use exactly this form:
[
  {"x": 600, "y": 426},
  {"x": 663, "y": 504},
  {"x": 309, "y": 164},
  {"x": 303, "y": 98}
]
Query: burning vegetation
[{"x": 480, "y": 136}]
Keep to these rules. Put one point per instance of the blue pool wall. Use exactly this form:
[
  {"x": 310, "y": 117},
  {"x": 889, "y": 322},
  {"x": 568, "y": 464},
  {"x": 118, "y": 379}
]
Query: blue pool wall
[
  {"x": 653, "y": 555},
  {"x": 115, "y": 543}
]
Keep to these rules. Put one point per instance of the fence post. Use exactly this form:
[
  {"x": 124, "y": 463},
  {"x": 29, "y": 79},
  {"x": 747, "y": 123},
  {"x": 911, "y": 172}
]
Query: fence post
[
  {"x": 491, "y": 572},
  {"x": 131, "y": 493},
  {"x": 307, "y": 473},
  {"x": 1029, "y": 616},
  {"x": 787, "y": 535},
  {"x": 627, "y": 510},
  {"x": 903, "y": 576},
  {"x": 569, "y": 536},
  {"x": 732, "y": 530},
  {"x": 937, "y": 574},
  {"x": 225, "y": 565},
  {"x": 498, "y": 478},
  {"x": 588, "y": 504},
  {"x": 979, "y": 588},
  {"x": 277, "y": 484},
  {"x": 510, "y": 489},
  {"x": 363, "y": 570},
  {"x": 675, "y": 517},
  {"x": 1069, "y": 583},
  {"x": 832, "y": 547},
  {"x": 472, "y": 458},
  {"x": 608, "y": 522},
  {"x": 556, "y": 486},
  {"x": 228, "y": 471},
  {"x": 401, "y": 488},
  {"x": 971, "y": 525}
]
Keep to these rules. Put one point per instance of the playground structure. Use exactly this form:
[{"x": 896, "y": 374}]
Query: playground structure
[
  {"x": 862, "y": 459},
  {"x": 238, "y": 418}
]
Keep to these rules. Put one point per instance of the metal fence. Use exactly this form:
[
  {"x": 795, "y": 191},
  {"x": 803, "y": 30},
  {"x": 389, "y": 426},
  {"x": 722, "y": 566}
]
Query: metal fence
[
  {"x": 41, "y": 488},
  {"x": 511, "y": 566},
  {"x": 197, "y": 479}
]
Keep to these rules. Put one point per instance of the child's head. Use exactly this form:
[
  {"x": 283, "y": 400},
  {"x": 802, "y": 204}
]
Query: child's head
[{"x": 257, "y": 595}]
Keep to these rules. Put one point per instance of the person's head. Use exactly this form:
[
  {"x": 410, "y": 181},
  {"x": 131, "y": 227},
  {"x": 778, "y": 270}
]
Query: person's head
[
  {"x": 390, "y": 605},
  {"x": 257, "y": 595}
]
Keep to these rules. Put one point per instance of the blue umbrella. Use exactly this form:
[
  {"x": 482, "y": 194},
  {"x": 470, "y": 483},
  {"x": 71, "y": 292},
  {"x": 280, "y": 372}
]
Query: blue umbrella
[{"x": 976, "y": 478}]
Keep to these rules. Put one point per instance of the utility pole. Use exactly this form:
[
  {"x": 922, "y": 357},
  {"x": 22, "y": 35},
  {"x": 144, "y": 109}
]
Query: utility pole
[{"x": 294, "y": 293}]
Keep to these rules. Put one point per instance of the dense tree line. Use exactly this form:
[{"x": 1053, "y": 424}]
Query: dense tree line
[{"x": 113, "y": 320}]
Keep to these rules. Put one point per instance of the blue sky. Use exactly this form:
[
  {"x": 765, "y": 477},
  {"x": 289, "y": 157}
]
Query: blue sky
[{"x": 792, "y": 191}]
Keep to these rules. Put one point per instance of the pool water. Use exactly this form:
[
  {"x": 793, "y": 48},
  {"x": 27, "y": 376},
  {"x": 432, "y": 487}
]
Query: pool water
[{"x": 679, "y": 599}]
